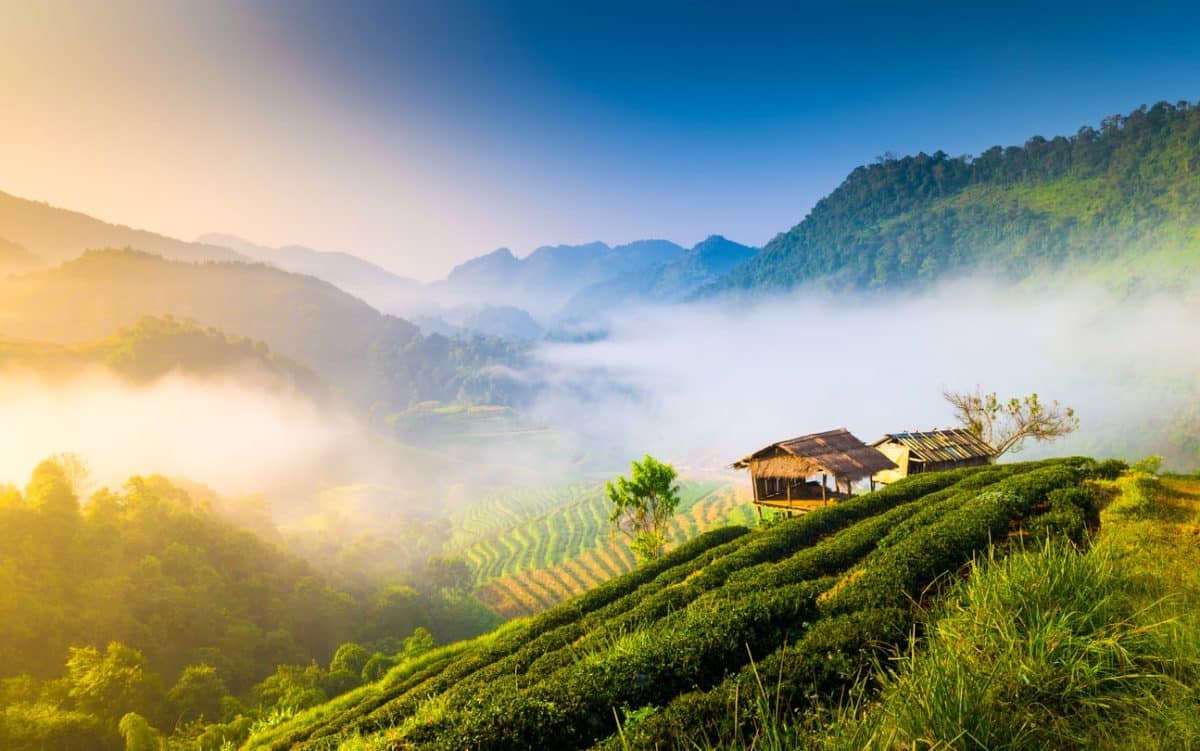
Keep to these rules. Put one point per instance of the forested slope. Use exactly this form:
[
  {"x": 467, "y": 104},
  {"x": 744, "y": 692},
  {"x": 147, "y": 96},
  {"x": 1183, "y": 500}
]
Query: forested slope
[
  {"x": 371, "y": 358},
  {"x": 156, "y": 346},
  {"x": 1123, "y": 199},
  {"x": 144, "y": 600},
  {"x": 666, "y": 649}
]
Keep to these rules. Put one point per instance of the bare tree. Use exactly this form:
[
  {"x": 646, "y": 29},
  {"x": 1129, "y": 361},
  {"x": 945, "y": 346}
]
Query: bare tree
[{"x": 1006, "y": 425}]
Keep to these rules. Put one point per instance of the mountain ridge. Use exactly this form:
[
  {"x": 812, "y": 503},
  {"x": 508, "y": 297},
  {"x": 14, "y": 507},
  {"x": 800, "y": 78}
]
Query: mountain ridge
[
  {"x": 668, "y": 281},
  {"x": 1122, "y": 200},
  {"x": 383, "y": 289},
  {"x": 373, "y": 358},
  {"x": 54, "y": 234}
]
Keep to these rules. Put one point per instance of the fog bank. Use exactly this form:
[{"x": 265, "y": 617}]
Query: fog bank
[
  {"x": 705, "y": 384},
  {"x": 225, "y": 432}
]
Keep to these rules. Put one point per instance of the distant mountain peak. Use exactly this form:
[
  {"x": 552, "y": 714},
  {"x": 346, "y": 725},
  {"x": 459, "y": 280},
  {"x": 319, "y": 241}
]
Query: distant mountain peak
[{"x": 546, "y": 278}]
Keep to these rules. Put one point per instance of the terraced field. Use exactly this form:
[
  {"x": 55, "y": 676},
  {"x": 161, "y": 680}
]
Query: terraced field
[
  {"x": 533, "y": 589},
  {"x": 661, "y": 656},
  {"x": 532, "y": 550}
]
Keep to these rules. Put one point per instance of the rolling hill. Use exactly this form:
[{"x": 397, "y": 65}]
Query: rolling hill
[
  {"x": 50, "y": 235},
  {"x": 657, "y": 658},
  {"x": 371, "y": 358},
  {"x": 153, "y": 347},
  {"x": 1120, "y": 203},
  {"x": 376, "y": 285}
]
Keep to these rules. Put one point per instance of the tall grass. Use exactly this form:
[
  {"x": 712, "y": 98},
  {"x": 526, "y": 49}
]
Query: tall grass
[
  {"x": 1052, "y": 648},
  {"x": 1047, "y": 648},
  {"x": 1035, "y": 651}
]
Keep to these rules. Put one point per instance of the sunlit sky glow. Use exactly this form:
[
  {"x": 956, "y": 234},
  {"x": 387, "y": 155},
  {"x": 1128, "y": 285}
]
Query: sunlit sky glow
[{"x": 420, "y": 134}]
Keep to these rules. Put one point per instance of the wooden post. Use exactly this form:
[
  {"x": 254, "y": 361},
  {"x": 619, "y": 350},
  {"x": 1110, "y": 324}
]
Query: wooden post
[{"x": 824, "y": 489}]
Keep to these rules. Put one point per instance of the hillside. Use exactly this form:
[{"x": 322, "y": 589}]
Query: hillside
[
  {"x": 154, "y": 347},
  {"x": 664, "y": 651},
  {"x": 145, "y": 599},
  {"x": 1121, "y": 202},
  {"x": 51, "y": 235},
  {"x": 371, "y": 358},
  {"x": 667, "y": 281},
  {"x": 532, "y": 550},
  {"x": 15, "y": 258},
  {"x": 376, "y": 285},
  {"x": 1089, "y": 648}
]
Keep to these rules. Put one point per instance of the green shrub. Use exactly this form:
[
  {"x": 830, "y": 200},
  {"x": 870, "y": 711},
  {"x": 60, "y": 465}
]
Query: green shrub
[{"x": 1109, "y": 469}]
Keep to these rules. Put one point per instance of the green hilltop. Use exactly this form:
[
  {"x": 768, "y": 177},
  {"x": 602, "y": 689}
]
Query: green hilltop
[{"x": 1121, "y": 202}]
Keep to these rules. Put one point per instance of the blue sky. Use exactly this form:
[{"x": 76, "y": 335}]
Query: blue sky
[{"x": 419, "y": 134}]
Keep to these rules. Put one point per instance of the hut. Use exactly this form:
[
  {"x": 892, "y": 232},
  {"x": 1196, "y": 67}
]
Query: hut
[
  {"x": 931, "y": 451},
  {"x": 785, "y": 474}
]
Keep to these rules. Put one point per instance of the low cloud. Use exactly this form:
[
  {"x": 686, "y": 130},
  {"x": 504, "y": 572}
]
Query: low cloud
[
  {"x": 707, "y": 383},
  {"x": 224, "y": 432}
]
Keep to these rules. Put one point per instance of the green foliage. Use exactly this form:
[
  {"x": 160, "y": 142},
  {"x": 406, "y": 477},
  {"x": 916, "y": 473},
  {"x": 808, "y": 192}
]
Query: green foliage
[
  {"x": 1125, "y": 191},
  {"x": 1038, "y": 650},
  {"x": 1109, "y": 469},
  {"x": 446, "y": 574},
  {"x": 110, "y": 683},
  {"x": 51, "y": 492},
  {"x": 154, "y": 346},
  {"x": 44, "y": 726},
  {"x": 173, "y": 591},
  {"x": 376, "y": 667},
  {"x": 820, "y": 597},
  {"x": 138, "y": 734},
  {"x": 292, "y": 686},
  {"x": 198, "y": 695},
  {"x": 350, "y": 657},
  {"x": 643, "y": 503},
  {"x": 515, "y": 531},
  {"x": 1150, "y": 465},
  {"x": 419, "y": 643}
]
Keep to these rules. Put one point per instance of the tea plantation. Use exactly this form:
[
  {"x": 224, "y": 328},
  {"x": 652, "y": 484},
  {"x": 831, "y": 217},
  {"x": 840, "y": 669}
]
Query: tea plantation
[{"x": 662, "y": 656}]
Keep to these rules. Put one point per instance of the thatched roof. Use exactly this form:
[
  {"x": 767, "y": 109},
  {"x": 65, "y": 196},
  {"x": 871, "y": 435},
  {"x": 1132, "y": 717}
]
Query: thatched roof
[
  {"x": 834, "y": 452},
  {"x": 936, "y": 446}
]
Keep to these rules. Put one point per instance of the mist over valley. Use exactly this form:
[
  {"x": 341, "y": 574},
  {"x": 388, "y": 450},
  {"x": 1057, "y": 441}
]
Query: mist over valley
[{"x": 739, "y": 438}]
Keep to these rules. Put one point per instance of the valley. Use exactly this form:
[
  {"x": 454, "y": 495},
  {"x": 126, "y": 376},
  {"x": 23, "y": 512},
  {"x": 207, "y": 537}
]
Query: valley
[{"x": 269, "y": 497}]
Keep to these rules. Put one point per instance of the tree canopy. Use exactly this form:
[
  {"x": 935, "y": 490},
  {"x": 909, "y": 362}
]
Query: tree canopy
[
  {"x": 643, "y": 503},
  {"x": 1125, "y": 188},
  {"x": 142, "y": 613}
]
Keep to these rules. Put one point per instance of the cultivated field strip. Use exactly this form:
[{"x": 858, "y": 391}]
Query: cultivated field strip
[
  {"x": 515, "y": 531},
  {"x": 512, "y": 595},
  {"x": 815, "y": 600}
]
